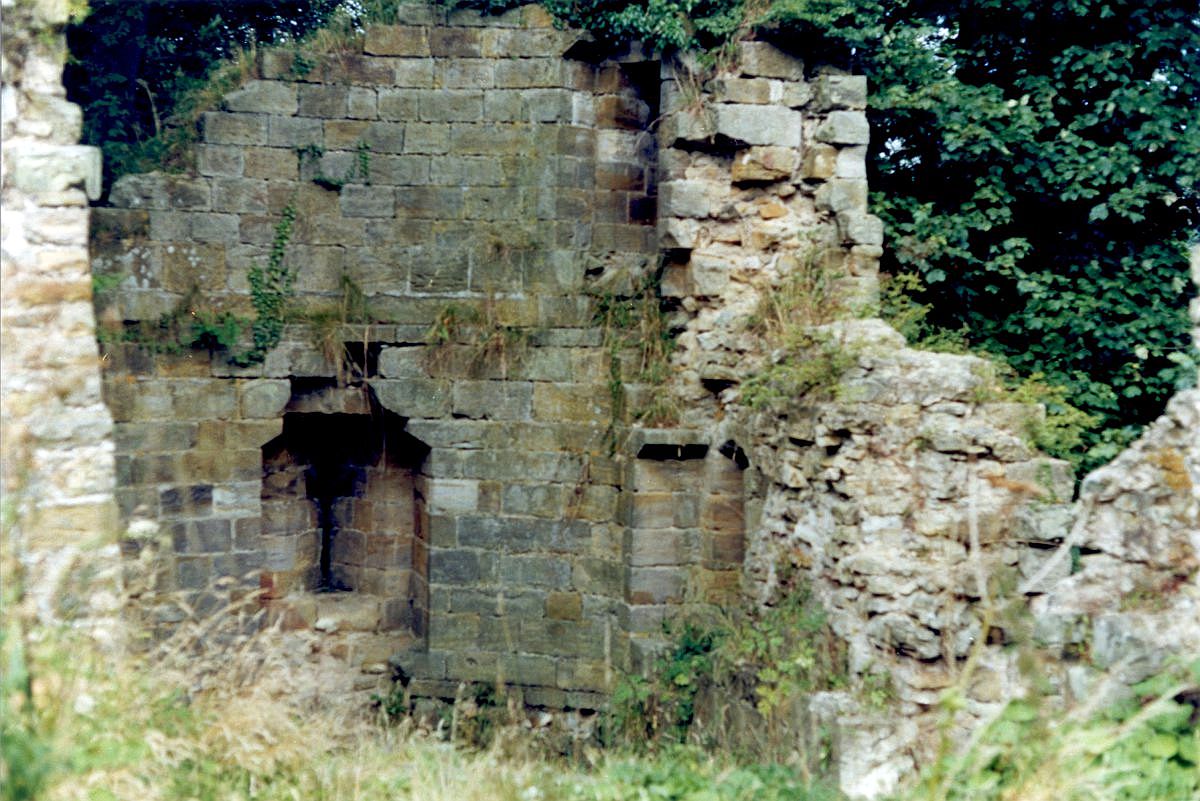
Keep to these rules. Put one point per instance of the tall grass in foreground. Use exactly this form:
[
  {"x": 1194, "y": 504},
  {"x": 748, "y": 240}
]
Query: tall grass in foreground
[{"x": 222, "y": 710}]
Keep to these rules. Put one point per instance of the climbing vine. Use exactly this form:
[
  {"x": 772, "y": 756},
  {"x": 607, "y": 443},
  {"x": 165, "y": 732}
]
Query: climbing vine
[{"x": 271, "y": 287}]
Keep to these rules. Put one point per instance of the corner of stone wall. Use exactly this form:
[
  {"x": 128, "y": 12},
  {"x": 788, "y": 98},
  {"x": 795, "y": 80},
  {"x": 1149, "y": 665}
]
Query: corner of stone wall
[{"x": 58, "y": 473}]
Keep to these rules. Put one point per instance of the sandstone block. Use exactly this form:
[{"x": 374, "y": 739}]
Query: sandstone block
[
  {"x": 319, "y": 100},
  {"x": 768, "y": 61},
  {"x": 764, "y": 164},
  {"x": 263, "y": 97},
  {"x": 852, "y": 162},
  {"x": 687, "y": 126},
  {"x": 492, "y": 400},
  {"x": 240, "y": 195},
  {"x": 413, "y": 398},
  {"x": 265, "y": 398},
  {"x": 842, "y": 194},
  {"x": 39, "y": 168},
  {"x": 741, "y": 90},
  {"x": 466, "y": 73},
  {"x": 357, "y": 200},
  {"x": 453, "y": 42},
  {"x": 445, "y": 105},
  {"x": 529, "y": 669},
  {"x": 844, "y": 128},
  {"x": 759, "y": 125},
  {"x": 384, "y": 137},
  {"x": 269, "y": 163},
  {"x": 841, "y": 92},
  {"x": 234, "y": 129},
  {"x": 432, "y": 138},
  {"x": 529, "y": 73},
  {"x": 295, "y": 132},
  {"x": 356, "y": 69},
  {"x": 819, "y": 162},
  {"x": 537, "y": 571},
  {"x": 397, "y": 40},
  {"x": 860, "y": 228},
  {"x": 362, "y": 103},
  {"x": 687, "y": 198},
  {"x": 564, "y": 606},
  {"x": 709, "y": 274},
  {"x": 656, "y": 585}
]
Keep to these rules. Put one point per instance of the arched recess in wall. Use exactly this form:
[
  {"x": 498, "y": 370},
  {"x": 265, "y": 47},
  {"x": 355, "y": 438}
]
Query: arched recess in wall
[{"x": 342, "y": 505}]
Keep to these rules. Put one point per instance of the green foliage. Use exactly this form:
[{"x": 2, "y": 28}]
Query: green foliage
[
  {"x": 683, "y": 774},
  {"x": 810, "y": 369},
  {"x": 1033, "y": 163},
  {"x": 1143, "y": 748},
  {"x": 477, "y": 332},
  {"x": 805, "y": 360},
  {"x": 768, "y": 658},
  {"x": 143, "y": 71},
  {"x": 639, "y": 340},
  {"x": 271, "y": 289},
  {"x": 359, "y": 169}
]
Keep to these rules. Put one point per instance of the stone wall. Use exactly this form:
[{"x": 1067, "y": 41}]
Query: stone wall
[
  {"x": 468, "y": 460},
  {"x": 57, "y": 476},
  {"x": 483, "y": 181}
]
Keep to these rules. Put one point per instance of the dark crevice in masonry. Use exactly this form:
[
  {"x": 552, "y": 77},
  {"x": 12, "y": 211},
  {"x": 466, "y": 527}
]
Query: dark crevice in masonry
[{"x": 339, "y": 493}]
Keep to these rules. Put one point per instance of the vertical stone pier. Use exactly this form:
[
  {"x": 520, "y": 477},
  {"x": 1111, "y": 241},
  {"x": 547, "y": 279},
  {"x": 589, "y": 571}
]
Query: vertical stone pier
[{"x": 57, "y": 478}]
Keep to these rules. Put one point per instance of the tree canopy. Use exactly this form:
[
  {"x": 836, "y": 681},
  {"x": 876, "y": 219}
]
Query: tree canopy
[{"x": 1036, "y": 162}]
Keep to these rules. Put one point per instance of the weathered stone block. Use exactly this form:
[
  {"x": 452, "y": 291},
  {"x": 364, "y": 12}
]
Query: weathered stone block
[
  {"x": 397, "y": 40},
  {"x": 766, "y": 60},
  {"x": 709, "y": 274},
  {"x": 355, "y": 69},
  {"x": 529, "y": 73},
  {"x": 492, "y": 400},
  {"x": 265, "y": 398},
  {"x": 384, "y": 137},
  {"x": 415, "y": 73},
  {"x": 536, "y": 571},
  {"x": 860, "y": 228},
  {"x": 413, "y": 398},
  {"x": 455, "y": 43},
  {"x": 362, "y": 103},
  {"x": 240, "y": 195},
  {"x": 188, "y": 266},
  {"x": 319, "y": 100},
  {"x": 453, "y": 632},
  {"x": 742, "y": 90},
  {"x": 564, "y": 606},
  {"x": 841, "y": 92},
  {"x": 295, "y": 132},
  {"x": 570, "y": 402},
  {"x": 842, "y": 194},
  {"x": 451, "y": 496},
  {"x": 528, "y": 669},
  {"x": 263, "y": 97},
  {"x": 844, "y": 128},
  {"x": 398, "y": 104},
  {"x": 658, "y": 547},
  {"x": 656, "y": 585},
  {"x": 852, "y": 162},
  {"x": 759, "y": 125},
  {"x": 466, "y": 73},
  {"x": 270, "y": 163},
  {"x": 234, "y": 129},
  {"x": 357, "y": 200},
  {"x": 687, "y": 198},
  {"x": 764, "y": 164}
]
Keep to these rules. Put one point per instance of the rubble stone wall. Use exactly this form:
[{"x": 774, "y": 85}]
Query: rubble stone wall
[{"x": 57, "y": 474}]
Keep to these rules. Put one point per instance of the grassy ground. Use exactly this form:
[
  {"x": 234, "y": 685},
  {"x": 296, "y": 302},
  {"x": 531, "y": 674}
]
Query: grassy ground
[{"x": 215, "y": 713}]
